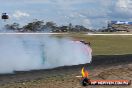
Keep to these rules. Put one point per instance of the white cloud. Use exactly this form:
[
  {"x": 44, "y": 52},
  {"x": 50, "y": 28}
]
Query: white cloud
[
  {"x": 83, "y": 12},
  {"x": 123, "y": 3},
  {"x": 86, "y": 23},
  {"x": 18, "y": 14},
  {"x": 124, "y": 6}
]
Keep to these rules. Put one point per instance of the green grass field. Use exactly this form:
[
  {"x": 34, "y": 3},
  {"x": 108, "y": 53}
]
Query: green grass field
[{"x": 107, "y": 45}]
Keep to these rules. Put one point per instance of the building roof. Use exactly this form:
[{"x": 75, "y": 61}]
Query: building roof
[{"x": 121, "y": 22}]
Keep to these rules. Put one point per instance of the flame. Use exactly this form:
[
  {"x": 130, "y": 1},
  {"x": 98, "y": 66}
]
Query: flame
[{"x": 85, "y": 73}]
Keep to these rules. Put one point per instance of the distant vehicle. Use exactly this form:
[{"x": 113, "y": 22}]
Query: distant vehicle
[
  {"x": 4, "y": 16},
  {"x": 82, "y": 41}
]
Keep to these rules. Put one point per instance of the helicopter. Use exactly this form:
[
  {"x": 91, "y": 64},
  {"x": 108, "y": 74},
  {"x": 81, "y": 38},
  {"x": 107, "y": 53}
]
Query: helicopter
[{"x": 4, "y": 16}]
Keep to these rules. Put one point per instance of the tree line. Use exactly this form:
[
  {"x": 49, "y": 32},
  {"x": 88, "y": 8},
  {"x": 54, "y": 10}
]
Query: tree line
[{"x": 41, "y": 26}]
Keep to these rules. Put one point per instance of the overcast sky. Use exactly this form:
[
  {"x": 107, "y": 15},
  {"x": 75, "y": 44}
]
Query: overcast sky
[{"x": 90, "y": 13}]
